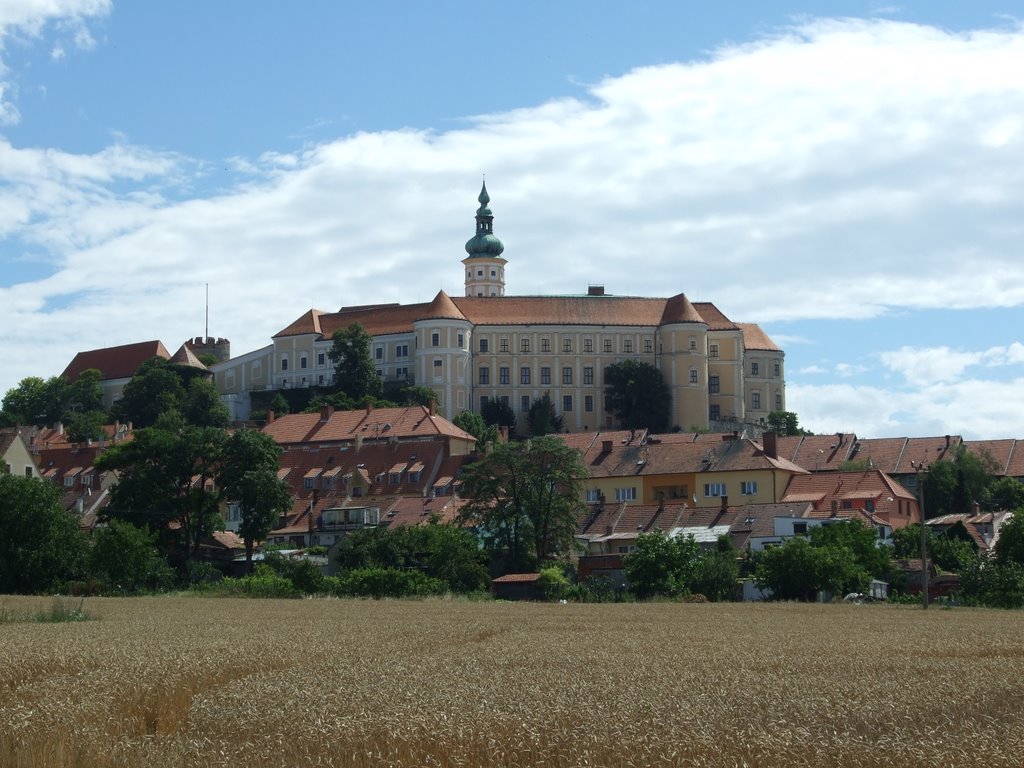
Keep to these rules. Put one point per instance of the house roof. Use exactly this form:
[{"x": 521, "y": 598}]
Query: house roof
[
  {"x": 116, "y": 362},
  {"x": 187, "y": 358},
  {"x": 411, "y": 422},
  {"x": 516, "y": 578},
  {"x": 601, "y": 310},
  {"x": 7, "y": 437},
  {"x": 755, "y": 338},
  {"x": 854, "y": 488}
]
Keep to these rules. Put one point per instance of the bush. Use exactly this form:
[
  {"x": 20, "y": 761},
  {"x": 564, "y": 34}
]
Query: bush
[
  {"x": 262, "y": 582},
  {"x": 384, "y": 582},
  {"x": 993, "y": 584},
  {"x": 553, "y": 583},
  {"x": 305, "y": 575}
]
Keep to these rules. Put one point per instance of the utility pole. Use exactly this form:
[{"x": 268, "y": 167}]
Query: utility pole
[{"x": 919, "y": 469}]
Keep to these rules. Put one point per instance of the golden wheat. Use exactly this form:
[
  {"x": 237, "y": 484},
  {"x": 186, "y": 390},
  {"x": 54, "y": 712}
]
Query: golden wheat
[{"x": 217, "y": 682}]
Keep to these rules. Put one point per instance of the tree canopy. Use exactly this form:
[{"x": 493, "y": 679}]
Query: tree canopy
[
  {"x": 636, "y": 394},
  {"x": 524, "y": 500},
  {"x": 543, "y": 418},
  {"x": 785, "y": 423},
  {"x": 355, "y": 373},
  {"x": 476, "y": 426},
  {"x": 40, "y": 543}
]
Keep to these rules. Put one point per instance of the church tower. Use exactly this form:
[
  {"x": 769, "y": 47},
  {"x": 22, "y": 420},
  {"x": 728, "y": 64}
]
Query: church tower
[{"x": 485, "y": 268}]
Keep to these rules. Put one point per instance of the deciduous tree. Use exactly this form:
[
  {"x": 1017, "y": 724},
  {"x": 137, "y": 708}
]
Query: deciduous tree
[
  {"x": 355, "y": 373},
  {"x": 636, "y": 394},
  {"x": 525, "y": 499}
]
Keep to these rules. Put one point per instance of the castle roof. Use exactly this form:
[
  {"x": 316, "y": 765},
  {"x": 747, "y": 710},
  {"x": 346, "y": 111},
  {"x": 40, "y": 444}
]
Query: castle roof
[
  {"x": 116, "y": 362},
  {"x": 442, "y": 308}
]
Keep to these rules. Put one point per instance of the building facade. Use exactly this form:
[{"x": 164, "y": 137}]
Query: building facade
[{"x": 515, "y": 349}]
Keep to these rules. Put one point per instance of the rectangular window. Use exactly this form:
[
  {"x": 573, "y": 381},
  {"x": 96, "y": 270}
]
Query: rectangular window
[
  {"x": 625, "y": 494},
  {"x": 461, "y": 340},
  {"x": 715, "y": 412},
  {"x": 588, "y": 403},
  {"x": 485, "y": 374},
  {"x": 693, "y": 343},
  {"x": 566, "y": 403},
  {"x": 545, "y": 375},
  {"x": 627, "y": 345},
  {"x": 588, "y": 345},
  {"x": 503, "y": 344},
  {"x": 545, "y": 344},
  {"x": 503, "y": 399},
  {"x": 593, "y": 495},
  {"x": 435, "y": 339},
  {"x": 748, "y": 487},
  {"x": 776, "y": 369},
  {"x": 713, "y": 385},
  {"x": 483, "y": 345},
  {"x": 714, "y": 489},
  {"x": 69, "y": 481},
  {"x": 302, "y": 361},
  {"x": 712, "y": 350},
  {"x": 401, "y": 373},
  {"x": 524, "y": 345},
  {"x": 588, "y": 375},
  {"x": 524, "y": 375},
  {"x": 648, "y": 345},
  {"x": 524, "y": 403},
  {"x": 754, "y": 368},
  {"x": 778, "y": 401},
  {"x": 320, "y": 359},
  {"x": 607, "y": 345},
  {"x": 438, "y": 364},
  {"x": 567, "y": 345},
  {"x": 567, "y": 375},
  {"x": 378, "y": 353},
  {"x": 503, "y": 375},
  {"x": 755, "y": 401},
  {"x": 284, "y": 363},
  {"x": 402, "y": 350},
  {"x": 693, "y": 375},
  {"x": 799, "y": 529}
]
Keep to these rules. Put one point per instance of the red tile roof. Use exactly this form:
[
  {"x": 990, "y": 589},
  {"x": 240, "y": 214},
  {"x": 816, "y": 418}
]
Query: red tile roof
[
  {"x": 412, "y": 422},
  {"x": 870, "y": 491},
  {"x": 116, "y": 362},
  {"x": 755, "y": 338}
]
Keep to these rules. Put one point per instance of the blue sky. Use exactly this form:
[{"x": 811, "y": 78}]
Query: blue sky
[{"x": 850, "y": 175}]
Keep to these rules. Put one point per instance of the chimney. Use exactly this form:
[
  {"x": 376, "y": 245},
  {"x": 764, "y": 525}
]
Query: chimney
[
  {"x": 595, "y": 290},
  {"x": 771, "y": 446},
  {"x": 270, "y": 417},
  {"x": 432, "y": 407},
  {"x": 725, "y": 503},
  {"x": 835, "y": 507},
  {"x": 606, "y": 446},
  {"x": 325, "y": 412},
  {"x": 661, "y": 501},
  {"x": 947, "y": 442},
  {"x": 359, "y": 442},
  {"x": 369, "y": 407},
  {"x": 60, "y": 428}
]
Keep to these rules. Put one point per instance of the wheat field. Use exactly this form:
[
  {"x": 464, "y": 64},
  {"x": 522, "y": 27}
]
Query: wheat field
[{"x": 178, "y": 681}]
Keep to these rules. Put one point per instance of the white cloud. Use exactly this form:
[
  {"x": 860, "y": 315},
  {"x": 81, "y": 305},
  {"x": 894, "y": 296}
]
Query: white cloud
[
  {"x": 812, "y": 369},
  {"x": 838, "y": 169}
]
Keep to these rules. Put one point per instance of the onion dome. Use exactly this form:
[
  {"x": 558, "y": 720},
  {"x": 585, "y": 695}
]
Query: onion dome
[{"x": 484, "y": 243}]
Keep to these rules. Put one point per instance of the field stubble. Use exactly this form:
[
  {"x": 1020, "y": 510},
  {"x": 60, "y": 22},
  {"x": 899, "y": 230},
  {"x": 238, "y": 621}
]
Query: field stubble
[{"x": 218, "y": 682}]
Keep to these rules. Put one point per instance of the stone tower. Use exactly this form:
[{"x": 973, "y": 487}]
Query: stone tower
[{"x": 485, "y": 268}]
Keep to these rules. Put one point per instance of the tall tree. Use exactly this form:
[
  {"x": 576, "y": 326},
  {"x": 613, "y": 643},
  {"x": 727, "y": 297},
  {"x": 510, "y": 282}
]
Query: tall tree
[
  {"x": 249, "y": 478},
  {"x": 40, "y": 543},
  {"x": 354, "y": 371},
  {"x": 202, "y": 405},
  {"x": 35, "y": 401},
  {"x": 785, "y": 423},
  {"x": 498, "y": 413},
  {"x": 166, "y": 481},
  {"x": 543, "y": 418},
  {"x": 636, "y": 394},
  {"x": 951, "y": 486},
  {"x": 524, "y": 499},
  {"x": 476, "y": 426},
  {"x": 155, "y": 389}
]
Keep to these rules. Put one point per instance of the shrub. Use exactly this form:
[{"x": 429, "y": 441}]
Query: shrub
[
  {"x": 384, "y": 582},
  {"x": 553, "y": 583}
]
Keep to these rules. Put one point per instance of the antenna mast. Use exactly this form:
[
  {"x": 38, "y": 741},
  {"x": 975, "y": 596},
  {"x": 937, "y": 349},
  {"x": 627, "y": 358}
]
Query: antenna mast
[{"x": 207, "y": 333}]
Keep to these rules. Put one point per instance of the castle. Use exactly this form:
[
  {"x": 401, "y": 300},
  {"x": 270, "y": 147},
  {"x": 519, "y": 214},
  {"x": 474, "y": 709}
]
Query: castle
[{"x": 488, "y": 346}]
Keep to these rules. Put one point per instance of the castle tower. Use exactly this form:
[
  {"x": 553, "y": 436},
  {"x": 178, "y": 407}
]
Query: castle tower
[
  {"x": 485, "y": 268},
  {"x": 682, "y": 349}
]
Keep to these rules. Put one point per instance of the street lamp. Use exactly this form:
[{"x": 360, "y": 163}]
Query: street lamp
[{"x": 920, "y": 468}]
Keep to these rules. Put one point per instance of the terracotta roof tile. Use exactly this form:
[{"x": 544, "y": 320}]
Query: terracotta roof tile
[
  {"x": 755, "y": 338},
  {"x": 116, "y": 362},
  {"x": 376, "y": 424},
  {"x": 442, "y": 308}
]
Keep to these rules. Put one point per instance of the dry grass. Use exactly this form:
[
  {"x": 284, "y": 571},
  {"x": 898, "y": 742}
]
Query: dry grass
[{"x": 208, "y": 682}]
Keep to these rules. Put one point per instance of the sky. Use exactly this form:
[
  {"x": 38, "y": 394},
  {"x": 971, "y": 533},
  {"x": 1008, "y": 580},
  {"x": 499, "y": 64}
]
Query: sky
[{"x": 849, "y": 175}]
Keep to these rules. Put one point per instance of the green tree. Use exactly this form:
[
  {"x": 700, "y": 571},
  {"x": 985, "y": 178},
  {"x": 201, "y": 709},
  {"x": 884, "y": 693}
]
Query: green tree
[
  {"x": 127, "y": 559},
  {"x": 166, "y": 477},
  {"x": 660, "y": 564},
  {"x": 785, "y": 423},
  {"x": 476, "y": 426},
  {"x": 798, "y": 570},
  {"x": 862, "y": 542},
  {"x": 248, "y": 477},
  {"x": 87, "y": 425},
  {"x": 949, "y": 551},
  {"x": 993, "y": 584},
  {"x": 155, "y": 389},
  {"x": 1010, "y": 544},
  {"x": 354, "y": 371},
  {"x": 40, "y": 544},
  {"x": 951, "y": 486},
  {"x": 636, "y": 394},
  {"x": 1006, "y": 493},
  {"x": 498, "y": 413},
  {"x": 35, "y": 402},
  {"x": 715, "y": 574},
  {"x": 202, "y": 405},
  {"x": 85, "y": 394},
  {"x": 543, "y": 418},
  {"x": 524, "y": 499}
]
